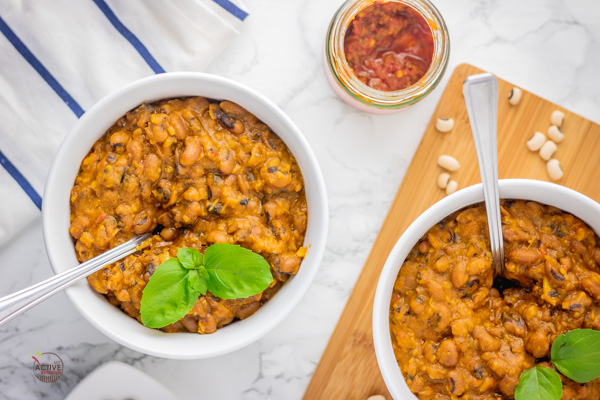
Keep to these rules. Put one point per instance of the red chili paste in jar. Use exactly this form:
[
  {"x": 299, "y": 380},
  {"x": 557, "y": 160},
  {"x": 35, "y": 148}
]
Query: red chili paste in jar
[{"x": 389, "y": 46}]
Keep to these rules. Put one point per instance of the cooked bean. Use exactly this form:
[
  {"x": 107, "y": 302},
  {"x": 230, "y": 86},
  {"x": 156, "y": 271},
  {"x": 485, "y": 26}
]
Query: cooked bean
[
  {"x": 119, "y": 139},
  {"x": 459, "y": 275},
  {"x": 538, "y": 344},
  {"x": 486, "y": 341},
  {"x": 152, "y": 167},
  {"x": 456, "y": 382},
  {"x": 447, "y": 353},
  {"x": 191, "y": 152}
]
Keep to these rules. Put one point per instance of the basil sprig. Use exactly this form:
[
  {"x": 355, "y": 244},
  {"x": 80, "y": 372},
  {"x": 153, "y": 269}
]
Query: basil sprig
[
  {"x": 227, "y": 271},
  {"x": 576, "y": 354},
  {"x": 539, "y": 383}
]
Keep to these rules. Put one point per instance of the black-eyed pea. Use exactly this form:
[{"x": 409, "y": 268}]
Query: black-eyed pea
[
  {"x": 557, "y": 118},
  {"x": 449, "y": 163},
  {"x": 459, "y": 275},
  {"x": 152, "y": 167},
  {"x": 226, "y": 161},
  {"x": 443, "y": 179},
  {"x": 547, "y": 150},
  {"x": 538, "y": 344},
  {"x": 447, "y": 353},
  {"x": 514, "y": 97},
  {"x": 555, "y": 134},
  {"x": 192, "y": 194},
  {"x": 456, "y": 382},
  {"x": 134, "y": 149},
  {"x": 192, "y": 151},
  {"x": 168, "y": 233},
  {"x": 177, "y": 126},
  {"x": 444, "y": 124},
  {"x": 442, "y": 264},
  {"x": 451, "y": 187},
  {"x": 376, "y": 397},
  {"x": 554, "y": 169},
  {"x": 536, "y": 141},
  {"x": 119, "y": 139}
]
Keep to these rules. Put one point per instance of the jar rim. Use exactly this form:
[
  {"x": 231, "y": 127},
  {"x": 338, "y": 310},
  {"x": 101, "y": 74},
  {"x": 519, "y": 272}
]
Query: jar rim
[{"x": 344, "y": 75}]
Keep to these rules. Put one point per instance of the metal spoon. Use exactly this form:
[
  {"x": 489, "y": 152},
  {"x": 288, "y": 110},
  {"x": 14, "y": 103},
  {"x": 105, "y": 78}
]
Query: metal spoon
[
  {"x": 21, "y": 301},
  {"x": 481, "y": 98}
]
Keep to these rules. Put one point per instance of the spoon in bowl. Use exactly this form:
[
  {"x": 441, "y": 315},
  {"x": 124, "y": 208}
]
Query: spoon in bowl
[
  {"x": 481, "y": 98},
  {"x": 21, "y": 301}
]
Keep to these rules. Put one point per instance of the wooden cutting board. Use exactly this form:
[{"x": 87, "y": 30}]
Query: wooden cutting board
[{"x": 348, "y": 368}]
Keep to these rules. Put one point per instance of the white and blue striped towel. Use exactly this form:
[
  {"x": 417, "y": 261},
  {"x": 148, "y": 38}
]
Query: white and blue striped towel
[{"x": 57, "y": 58}]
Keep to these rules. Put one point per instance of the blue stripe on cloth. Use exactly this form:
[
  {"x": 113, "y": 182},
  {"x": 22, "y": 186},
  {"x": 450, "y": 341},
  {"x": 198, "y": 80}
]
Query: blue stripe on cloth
[
  {"x": 37, "y": 65},
  {"x": 127, "y": 34},
  {"x": 233, "y": 9},
  {"x": 17, "y": 176}
]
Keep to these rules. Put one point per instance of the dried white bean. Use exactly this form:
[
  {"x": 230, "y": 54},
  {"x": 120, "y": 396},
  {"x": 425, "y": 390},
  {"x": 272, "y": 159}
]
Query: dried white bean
[
  {"x": 376, "y": 397},
  {"x": 444, "y": 124},
  {"x": 554, "y": 169},
  {"x": 452, "y": 186},
  {"x": 555, "y": 134},
  {"x": 443, "y": 180},
  {"x": 448, "y": 163},
  {"x": 548, "y": 150},
  {"x": 515, "y": 96},
  {"x": 557, "y": 118},
  {"x": 536, "y": 141}
]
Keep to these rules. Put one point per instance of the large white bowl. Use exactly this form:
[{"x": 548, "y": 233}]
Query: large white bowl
[
  {"x": 543, "y": 192},
  {"x": 56, "y": 208}
]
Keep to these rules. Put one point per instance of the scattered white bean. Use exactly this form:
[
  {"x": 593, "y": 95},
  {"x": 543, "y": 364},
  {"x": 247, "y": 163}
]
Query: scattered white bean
[
  {"x": 515, "y": 96},
  {"x": 536, "y": 141},
  {"x": 443, "y": 180},
  {"x": 557, "y": 118},
  {"x": 554, "y": 169},
  {"x": 548, "y": 150},
  {"x": 448, "y": 163},
  {"x": 452, "y": 186},
  {"x": 444, "y": 124},
  {"x": 555, "y": 134},
  {"x": 376, "y": 397}
]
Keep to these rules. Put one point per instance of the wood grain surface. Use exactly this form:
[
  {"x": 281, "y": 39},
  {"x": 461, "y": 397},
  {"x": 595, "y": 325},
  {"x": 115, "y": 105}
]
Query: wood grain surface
[{"x": 348, "y": 368}]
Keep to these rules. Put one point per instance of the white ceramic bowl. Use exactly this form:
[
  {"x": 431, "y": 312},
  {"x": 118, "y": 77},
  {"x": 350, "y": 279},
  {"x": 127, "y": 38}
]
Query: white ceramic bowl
[
  {"x": 56, "y": 208},
  {"x": 543, "y": 192}
]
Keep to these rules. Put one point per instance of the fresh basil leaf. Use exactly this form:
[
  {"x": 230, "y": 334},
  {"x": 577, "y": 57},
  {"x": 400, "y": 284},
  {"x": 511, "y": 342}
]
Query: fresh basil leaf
[
  {"x": 168, "y": 296},
  {"x": 236, "y": 272},
  {"x": 576, "y": 354},
  {"x": 539, "y": 383},
  {"x": 189, "y": 258},
  {"x": 203, "y": 272},
  {"x": 198, "y": 282}
]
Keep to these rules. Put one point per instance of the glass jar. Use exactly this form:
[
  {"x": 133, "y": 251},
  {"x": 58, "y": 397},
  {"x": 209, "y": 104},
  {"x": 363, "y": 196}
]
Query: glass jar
[{"x": 363, "y": 97}]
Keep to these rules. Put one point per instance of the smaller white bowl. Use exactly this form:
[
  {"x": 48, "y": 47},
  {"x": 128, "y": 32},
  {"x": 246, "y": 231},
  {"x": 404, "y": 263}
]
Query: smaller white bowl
[
  {"x": 543, "y": 192},
  {"x": 109, "y": 319}
]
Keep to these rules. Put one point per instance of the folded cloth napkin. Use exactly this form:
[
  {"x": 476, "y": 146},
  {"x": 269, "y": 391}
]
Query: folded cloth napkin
[{"x": 59, "y": 57}]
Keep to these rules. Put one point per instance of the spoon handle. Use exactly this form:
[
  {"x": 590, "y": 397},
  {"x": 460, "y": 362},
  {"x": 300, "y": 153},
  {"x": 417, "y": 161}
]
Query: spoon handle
[
  {"x": 21, "y": 301},
  {"x": 481, "y": 98}
]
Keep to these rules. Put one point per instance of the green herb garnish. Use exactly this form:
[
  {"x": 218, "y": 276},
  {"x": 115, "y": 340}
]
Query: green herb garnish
[
  {"x": 539, "y": 383},
  {"x": 576, "y": 354},
  {"x": 227, "y": 271}
]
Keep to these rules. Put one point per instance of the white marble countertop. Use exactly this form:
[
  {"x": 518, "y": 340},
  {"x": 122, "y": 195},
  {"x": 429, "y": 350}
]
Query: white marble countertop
[{"x": 551, "y": 48}]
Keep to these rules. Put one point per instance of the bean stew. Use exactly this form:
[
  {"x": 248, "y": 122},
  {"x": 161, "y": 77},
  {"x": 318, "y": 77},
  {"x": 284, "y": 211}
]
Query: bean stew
[{"x": 459, "y": 332}]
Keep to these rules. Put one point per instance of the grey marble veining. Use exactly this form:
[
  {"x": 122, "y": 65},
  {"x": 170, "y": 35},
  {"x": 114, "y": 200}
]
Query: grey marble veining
[{"x": 550, "y": 47}]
